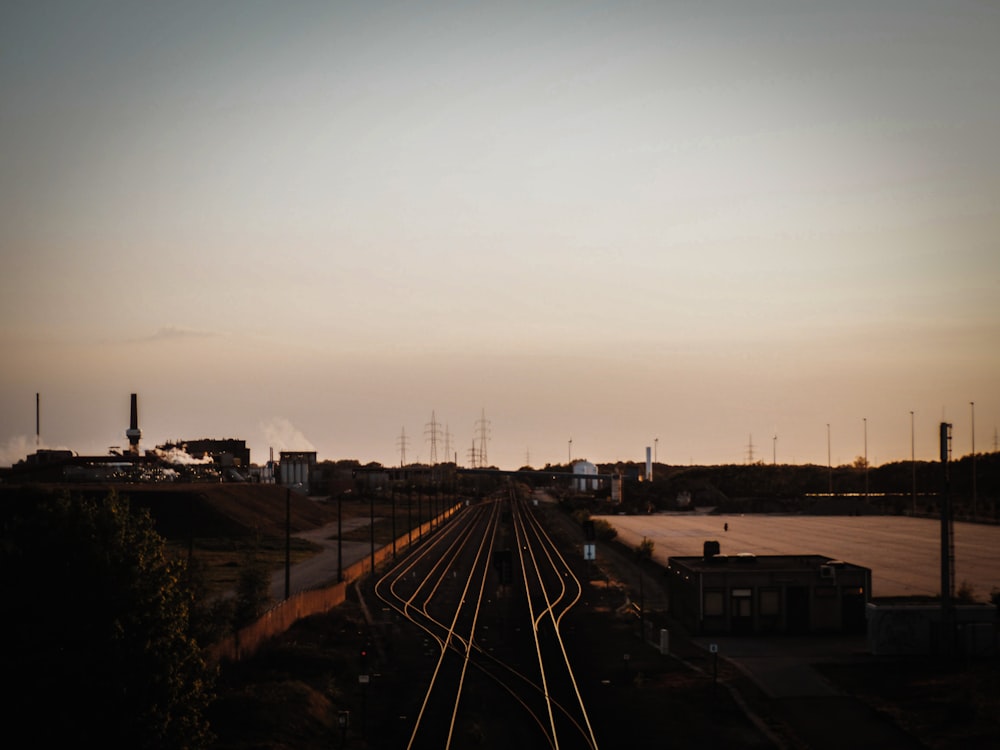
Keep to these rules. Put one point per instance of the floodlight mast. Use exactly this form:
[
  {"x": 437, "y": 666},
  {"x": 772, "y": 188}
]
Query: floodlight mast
[{"x": 947, "y": 541}]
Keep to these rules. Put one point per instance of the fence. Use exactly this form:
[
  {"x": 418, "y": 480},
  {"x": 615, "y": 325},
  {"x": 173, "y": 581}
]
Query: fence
[{"x": 246, "y": 641}]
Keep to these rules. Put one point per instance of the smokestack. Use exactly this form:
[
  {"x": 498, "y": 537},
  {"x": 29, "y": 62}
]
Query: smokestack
[
  {"x": 649, "y": 464},
  {"x": 133, "y": 433},
  {"x": 38, "y": 421}
]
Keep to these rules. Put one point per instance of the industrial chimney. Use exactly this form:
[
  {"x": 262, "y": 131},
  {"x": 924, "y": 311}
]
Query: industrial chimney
[{"x": 133, "y": 433}]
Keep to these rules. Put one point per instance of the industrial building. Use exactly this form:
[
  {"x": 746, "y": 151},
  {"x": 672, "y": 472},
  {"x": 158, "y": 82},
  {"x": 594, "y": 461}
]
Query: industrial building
[
  {"x": 585, "y": 469},
  {"x": 226, "y": 452},
  {"x": 296, "y": 469},
  {"x": 747, "y": 593}
]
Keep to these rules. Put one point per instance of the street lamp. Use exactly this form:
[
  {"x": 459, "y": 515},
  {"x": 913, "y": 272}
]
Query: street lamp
[
  {"x": 829, "y": 464},
  {"x": 866, "y": 456},
  {"x": 913, "y": 464}
]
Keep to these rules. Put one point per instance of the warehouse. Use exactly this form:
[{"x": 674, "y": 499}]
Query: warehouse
[{"x": 746, "y": 593}]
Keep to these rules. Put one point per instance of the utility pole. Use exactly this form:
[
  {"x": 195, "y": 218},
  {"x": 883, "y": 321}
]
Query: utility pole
[
  {"x": 829, "y": 463},
  {"x": 433, "y": 431},
  {"x": 483, "y": 427},
  {"x": 972, "y": 404},
  {"x": 288, "y": 542},
  {"x": 866, "y": 456},
  {"x": 447, "y": 444},
  {"x": 401, "y": 444},
  {"x": 913, "y": 464},
  {"x": 947, "y": 541}
]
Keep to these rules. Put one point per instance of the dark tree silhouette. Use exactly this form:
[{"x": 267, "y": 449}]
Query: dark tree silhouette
[{"x": 99, "y": 649}]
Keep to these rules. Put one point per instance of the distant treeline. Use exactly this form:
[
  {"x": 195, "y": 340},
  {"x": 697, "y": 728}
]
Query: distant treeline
[{"x": 901, "y": 487}]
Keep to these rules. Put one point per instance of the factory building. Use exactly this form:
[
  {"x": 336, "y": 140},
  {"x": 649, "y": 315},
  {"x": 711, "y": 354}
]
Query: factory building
[
  {"x": 746, "y": 593},
  {"x": 227, "y": 452}
]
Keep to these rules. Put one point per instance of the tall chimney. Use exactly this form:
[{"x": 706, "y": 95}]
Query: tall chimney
[
  {"x": 38, "y": 421},
  {"x": 133, "y": 433}
]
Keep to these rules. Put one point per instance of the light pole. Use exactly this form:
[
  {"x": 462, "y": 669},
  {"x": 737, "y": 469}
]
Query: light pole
[
  {"x": 569, "y": 451},
  {"x": 972, "y": 405},
  {"x": 913, "y": 464},
  {"x": 656, "y": 445},
  {"x": 774, "y": 451},
  {"x": 829, "y": 463},
  {"x": 866, "y": 456}
]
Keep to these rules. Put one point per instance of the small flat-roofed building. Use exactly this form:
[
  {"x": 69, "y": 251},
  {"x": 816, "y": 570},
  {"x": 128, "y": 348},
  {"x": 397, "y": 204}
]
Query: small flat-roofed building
[{"x": 746, "y": 593}]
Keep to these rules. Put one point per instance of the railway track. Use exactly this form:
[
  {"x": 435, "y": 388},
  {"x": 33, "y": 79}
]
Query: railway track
[{"x": 489, "y": 592}]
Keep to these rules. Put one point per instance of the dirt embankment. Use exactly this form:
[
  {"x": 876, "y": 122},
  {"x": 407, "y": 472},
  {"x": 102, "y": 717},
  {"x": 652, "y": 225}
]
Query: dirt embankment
[{"x": 204, "y": 510}]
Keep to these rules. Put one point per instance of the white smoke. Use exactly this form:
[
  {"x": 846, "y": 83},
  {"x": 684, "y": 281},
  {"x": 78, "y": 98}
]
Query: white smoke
[
  {"x": 17, "y": 448},
  {"x": 282, "y": 435},
  {"x": 179, "y": 457}
]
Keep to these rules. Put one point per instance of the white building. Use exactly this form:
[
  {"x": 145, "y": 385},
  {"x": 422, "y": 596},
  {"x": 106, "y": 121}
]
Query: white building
[{"x": 584, "y": 469}]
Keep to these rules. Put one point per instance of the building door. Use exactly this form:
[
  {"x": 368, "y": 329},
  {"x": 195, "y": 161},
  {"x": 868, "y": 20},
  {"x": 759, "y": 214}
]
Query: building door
[
  {"x": 741, "y": 611},
  {"x": 797, "y": 602}
]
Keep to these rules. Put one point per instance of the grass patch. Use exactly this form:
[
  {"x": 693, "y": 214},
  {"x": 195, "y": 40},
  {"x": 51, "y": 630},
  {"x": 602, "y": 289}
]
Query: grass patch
[{"x": 224, "y": 558}]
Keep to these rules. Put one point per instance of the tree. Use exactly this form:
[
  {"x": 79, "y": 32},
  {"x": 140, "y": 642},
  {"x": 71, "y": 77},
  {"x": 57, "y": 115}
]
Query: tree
[{"x": 99, "y": 649}]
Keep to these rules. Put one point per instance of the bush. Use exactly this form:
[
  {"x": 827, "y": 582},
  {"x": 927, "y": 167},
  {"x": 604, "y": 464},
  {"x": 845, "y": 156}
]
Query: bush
[{"x": 604, "y": 530}]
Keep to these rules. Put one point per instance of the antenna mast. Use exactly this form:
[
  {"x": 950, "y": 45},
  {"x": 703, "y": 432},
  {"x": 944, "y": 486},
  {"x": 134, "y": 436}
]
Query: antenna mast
[{"x": 750, "y": 450}]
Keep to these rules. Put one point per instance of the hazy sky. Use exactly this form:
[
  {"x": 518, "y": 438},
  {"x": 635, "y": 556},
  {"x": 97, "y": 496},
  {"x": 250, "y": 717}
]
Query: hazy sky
[{"x": 685, "y": 225}]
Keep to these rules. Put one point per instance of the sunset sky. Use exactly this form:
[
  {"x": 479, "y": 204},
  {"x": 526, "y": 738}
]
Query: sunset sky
[{"x": 688, "y": 225}]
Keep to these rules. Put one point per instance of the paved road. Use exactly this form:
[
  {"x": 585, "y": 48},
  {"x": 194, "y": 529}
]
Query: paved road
[
  {"x": 902, "y": 552},
  {"x": 321, "y": 568}
]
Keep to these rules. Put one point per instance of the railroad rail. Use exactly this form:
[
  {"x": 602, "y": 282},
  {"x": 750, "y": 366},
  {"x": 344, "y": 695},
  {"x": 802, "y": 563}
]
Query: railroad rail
[{"x": 489, "y": 592}]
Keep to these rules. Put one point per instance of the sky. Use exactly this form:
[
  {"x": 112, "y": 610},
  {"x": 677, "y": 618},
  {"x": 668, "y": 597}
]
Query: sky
[{"x": 718, "y": 229}]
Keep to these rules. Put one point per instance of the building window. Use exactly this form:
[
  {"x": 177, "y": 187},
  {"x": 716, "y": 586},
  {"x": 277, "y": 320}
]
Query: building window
[
  {"x": 770, "y": 602},
  {"x": 715, "y": 604}
]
